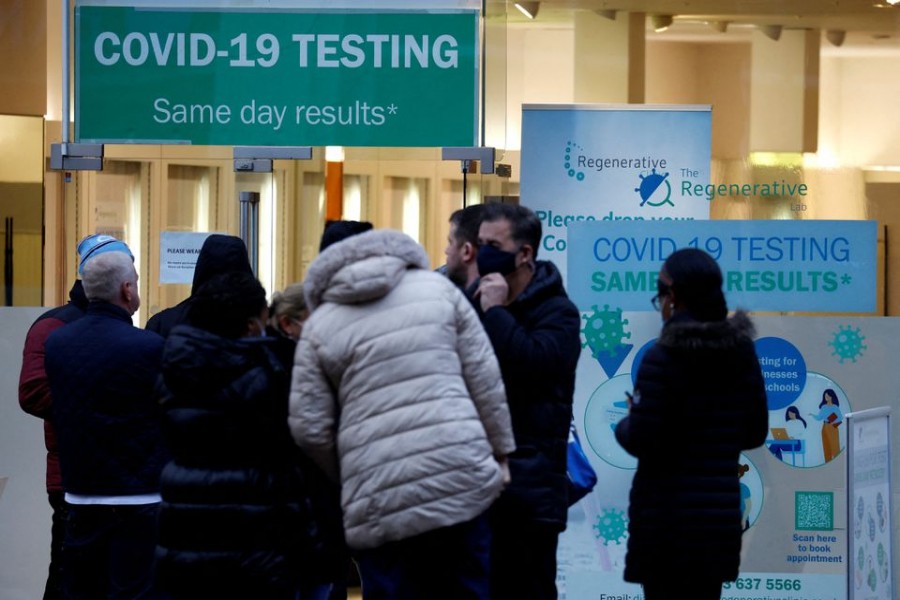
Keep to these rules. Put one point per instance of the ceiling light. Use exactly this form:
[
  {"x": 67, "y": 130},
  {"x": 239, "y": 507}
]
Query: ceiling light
[
  {"x": 661, "y": 22},
  {"x": 836, "y": 36},
  {"x": 773, "y": 32},
  {"x": 893, "y": 2},
  {"x": 334, "y": 154},
  {"x": 529, "y": 9}
]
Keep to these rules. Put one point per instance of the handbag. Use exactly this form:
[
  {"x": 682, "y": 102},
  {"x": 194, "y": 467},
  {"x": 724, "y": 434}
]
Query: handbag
[{"x": 581, "y": 475}]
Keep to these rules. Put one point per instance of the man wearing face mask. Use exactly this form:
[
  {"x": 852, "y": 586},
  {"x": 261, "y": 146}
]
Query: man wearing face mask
[{"x": 535, "y": 331}]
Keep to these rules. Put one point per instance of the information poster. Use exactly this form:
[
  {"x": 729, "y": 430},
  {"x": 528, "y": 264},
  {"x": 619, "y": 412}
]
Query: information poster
[
  {"x": 869, "y": 478},
  {"x": 614, "y": 163},
  {"x": 816, "y": 369},
  {"x": 178, "y": 251}
]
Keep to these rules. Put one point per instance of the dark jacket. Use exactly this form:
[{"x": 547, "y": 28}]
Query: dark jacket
[
  {"x": 219, "y": 254},
  {"x": 235, "y": 519},
  {"x": 34, "y": 389},
  {"x": 699, "y": 401},
  {"x": 537, "y": 341},
  {"x": 102, "y": 372}
]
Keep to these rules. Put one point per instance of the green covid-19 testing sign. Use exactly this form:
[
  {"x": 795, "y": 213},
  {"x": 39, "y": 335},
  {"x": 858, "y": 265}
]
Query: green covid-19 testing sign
[{"x": 269, "y": 77}]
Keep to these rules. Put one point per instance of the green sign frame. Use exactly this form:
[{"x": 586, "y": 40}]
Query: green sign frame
[{"x": 276, "y": 77}]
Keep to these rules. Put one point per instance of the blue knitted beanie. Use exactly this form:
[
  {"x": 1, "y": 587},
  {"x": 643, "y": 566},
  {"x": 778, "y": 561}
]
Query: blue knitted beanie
[{"x": 96, "y": 244}]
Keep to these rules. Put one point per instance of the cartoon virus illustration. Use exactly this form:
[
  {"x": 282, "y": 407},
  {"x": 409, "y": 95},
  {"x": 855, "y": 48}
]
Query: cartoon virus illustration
[
  {"x": 604, "y": 330},
  {"x": 650, "y": 184},
  {"x": 848, "y": 344},
  {"x": 579, "y": 175},
  {"x": 611, "y": 527}
]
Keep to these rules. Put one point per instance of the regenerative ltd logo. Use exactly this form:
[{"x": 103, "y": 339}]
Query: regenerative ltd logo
[
  {"x": 652, "y": 191},
  {"x": 654, "y": 188}
]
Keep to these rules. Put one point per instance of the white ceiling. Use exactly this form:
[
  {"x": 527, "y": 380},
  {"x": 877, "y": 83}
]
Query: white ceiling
[{"x": 871, "y": 25}]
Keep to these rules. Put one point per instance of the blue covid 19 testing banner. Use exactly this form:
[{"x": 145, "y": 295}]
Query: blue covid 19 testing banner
[{"x": 804, "y": 266}]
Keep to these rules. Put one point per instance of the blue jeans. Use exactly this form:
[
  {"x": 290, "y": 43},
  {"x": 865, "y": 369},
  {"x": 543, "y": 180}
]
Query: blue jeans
[
  {"x": 109, "y": 552},
  {"x": 450, "y": 563}
]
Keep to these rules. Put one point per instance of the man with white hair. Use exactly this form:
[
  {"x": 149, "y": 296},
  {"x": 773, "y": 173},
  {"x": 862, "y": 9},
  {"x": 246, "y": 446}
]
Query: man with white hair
[
  {"x": 35, "y": 398},
  {"x": 102, "y": 372}
]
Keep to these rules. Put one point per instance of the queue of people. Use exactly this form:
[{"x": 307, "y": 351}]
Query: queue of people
[{"x": 378, "y": 417}]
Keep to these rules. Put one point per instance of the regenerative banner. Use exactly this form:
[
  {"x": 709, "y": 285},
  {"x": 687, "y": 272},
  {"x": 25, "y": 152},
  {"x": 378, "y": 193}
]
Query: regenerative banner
[{"x": 615, "y": 163}]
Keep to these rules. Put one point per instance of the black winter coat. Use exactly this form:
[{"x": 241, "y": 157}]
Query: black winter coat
[
  {"x": 537, "y": 340},
  {"x": 102, "y": 372},
  {"x": 235, "y": 520},
  {"x": 699, "y": 401}
]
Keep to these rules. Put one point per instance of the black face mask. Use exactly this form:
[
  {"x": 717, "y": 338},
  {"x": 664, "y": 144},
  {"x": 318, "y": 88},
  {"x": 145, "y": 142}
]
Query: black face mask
[{"x": 494, "y": 260}]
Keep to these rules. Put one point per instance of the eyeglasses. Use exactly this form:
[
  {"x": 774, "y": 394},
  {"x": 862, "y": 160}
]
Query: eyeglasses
[{"x": 662, "y": 290}]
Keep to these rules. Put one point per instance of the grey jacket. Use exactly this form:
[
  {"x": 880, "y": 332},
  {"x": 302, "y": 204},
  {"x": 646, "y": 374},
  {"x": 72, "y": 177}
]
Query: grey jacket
[{"x": 396, "y": 391}]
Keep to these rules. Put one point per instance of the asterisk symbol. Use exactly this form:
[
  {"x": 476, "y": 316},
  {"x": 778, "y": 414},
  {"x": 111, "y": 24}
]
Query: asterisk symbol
[
  {"x": 846, "y": 279},
  {"x": 392, "y": 109}
]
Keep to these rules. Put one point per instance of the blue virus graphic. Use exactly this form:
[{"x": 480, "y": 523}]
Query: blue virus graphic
[
  {"x": 604, "y": 330},
  {"x": 570, "y": 169},
  {"x": 848, "y": 344},
  {"x": 649, "y": 184},
  {"x": 611, "y": 528}
]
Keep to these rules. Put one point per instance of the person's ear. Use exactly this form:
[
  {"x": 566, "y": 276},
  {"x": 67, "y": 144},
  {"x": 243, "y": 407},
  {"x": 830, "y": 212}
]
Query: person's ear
[
  {"x": 468, "y": 251},
  {"x": 253, "y": 325},
  {"x": 527, "y": 253},
  {"x": 674, "y": 299},
  {"x": 284, "y": 322},
  {"x": 126, "y": 291}
]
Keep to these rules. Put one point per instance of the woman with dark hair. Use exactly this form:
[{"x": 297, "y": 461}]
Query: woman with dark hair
[
  {"x": 795, "y": 427},
  {"x": 831, "y": 416},
  {"x": 235, "y": 520},
  {"x": 699, "y": 400},
  {"x": 792, "y": 416}
]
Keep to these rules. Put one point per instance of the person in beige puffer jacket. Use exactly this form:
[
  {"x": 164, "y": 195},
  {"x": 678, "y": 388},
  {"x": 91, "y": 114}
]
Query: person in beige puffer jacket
[{"x": 396, "y": 393}]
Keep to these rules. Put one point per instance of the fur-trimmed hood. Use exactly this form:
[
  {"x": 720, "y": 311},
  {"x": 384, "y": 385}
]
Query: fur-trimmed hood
[
  {"x": 683, "y": 332},
  {"x": 362, "y": 267}
]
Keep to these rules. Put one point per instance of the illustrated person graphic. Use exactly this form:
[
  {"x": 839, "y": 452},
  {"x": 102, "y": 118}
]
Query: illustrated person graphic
[
  {"x": 746, "y": 502},
  {"x": 796, "y": 431},
  {"x": 794, "y": 423},
  {"x": 831, "y": 416}
]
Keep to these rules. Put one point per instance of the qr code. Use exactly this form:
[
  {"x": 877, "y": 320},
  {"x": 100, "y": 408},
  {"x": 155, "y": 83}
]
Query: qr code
[{"x": 814, "y": 510}]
